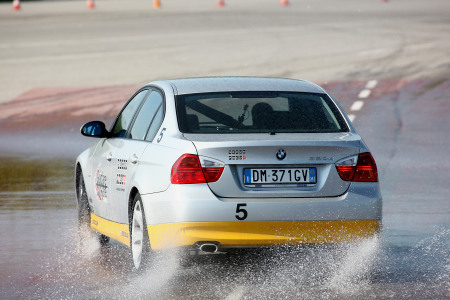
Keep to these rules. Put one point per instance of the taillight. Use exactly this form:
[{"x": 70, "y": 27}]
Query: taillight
[
  {"x": 346, "y": 167},
  {"x": 190, "y": 168},
  {"x": 187, "y": 169},
  {"x": 361, "y": 168},
  {"x": 366, "y": 169},
  {"x": 211, "y": 168}
]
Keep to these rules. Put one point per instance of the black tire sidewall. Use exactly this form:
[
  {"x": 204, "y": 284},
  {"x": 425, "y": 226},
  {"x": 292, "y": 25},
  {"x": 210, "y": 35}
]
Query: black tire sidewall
[{"x": 84, "y": 211}]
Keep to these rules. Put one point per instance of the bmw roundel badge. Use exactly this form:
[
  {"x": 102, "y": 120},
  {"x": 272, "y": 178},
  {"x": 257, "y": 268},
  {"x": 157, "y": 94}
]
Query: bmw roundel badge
[{"x": 281, "y": 154}]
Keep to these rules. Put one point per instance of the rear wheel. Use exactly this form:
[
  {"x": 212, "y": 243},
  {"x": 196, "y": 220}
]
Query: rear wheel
[
  {"x": 84, "y": 210},
  {"x": 139, "y": 241}
]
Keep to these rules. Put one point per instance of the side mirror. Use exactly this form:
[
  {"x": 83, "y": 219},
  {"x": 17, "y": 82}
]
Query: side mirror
[{"x": 94, "y": 129}]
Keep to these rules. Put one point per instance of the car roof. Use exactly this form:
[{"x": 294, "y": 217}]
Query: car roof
[{"x": 229, "y": 84}]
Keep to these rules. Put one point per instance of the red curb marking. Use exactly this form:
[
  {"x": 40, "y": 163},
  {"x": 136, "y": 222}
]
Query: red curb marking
[{"x": 46, "y": 107}]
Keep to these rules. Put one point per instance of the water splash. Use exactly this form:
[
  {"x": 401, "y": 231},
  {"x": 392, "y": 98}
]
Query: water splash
[
  {"x": 87, "y": 244},
  {"x": 154, "y": 281},
  {"x": 371, "y": 268},
  {"x": 352, "y": 273}
]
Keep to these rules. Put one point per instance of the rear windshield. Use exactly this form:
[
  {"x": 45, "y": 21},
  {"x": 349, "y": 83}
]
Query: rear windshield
[{"x": 258, "y": 112}]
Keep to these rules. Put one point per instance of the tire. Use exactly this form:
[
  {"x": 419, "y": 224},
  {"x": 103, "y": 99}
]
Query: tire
[
  {"x": 139, "y": 241},
  {"x": 84, "y": 211}
]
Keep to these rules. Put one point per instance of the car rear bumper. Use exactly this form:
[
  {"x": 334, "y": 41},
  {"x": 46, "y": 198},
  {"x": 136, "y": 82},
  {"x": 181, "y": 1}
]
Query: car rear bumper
[
  {"x": 188, "y": 214},
  {"x": 253, "y": 234}
]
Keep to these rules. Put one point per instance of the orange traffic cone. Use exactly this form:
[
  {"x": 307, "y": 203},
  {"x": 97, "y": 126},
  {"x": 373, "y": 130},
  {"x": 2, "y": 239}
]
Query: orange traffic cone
[
  {"x": 16, "y": 5},
  {"x": 284, "y": 2},
  {"x": 90, "y": 4},
  {"x": 156, "y": 4},
  {"x": 221, "y": 3}
]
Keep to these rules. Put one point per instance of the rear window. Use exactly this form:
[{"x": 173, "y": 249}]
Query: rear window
[{"x": 258, "y": 112}]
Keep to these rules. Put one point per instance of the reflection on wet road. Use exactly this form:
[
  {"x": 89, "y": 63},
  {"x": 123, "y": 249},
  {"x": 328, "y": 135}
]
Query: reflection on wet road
[{"x": 35, "y": 184}]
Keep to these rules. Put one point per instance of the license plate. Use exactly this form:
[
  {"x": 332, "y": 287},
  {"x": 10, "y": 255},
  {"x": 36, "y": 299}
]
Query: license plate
[{"x": 300, "y": 176}]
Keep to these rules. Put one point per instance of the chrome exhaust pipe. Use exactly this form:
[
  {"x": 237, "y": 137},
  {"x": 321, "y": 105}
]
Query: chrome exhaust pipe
[{"x": 209, "y": 248}]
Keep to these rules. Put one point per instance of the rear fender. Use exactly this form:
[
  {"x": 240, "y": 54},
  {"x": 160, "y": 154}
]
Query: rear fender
[{"x": 155, "y": 165}]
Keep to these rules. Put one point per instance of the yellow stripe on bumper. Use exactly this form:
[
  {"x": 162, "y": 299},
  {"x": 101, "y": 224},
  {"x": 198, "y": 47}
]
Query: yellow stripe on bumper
[
  {"x": 117, "y": 231},
  {"x": 260, "y": 233}
]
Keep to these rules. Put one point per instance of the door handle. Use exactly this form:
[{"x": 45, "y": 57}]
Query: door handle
[
  {"x": 109, "y": 156},
  {"x": 134, "y": 159}
]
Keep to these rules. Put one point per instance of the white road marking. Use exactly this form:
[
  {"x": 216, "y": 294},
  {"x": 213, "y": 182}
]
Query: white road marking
[
  {"x": 357, "y": 105},
  {"x": 237, "y": 293},
  {"x": 364, "y": 94},
  {"x": 371, "y": 84}
]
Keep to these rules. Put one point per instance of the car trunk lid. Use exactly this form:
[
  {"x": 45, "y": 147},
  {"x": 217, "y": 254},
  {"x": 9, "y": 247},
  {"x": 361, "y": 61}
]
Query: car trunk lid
[{"x": 304, "y": 160}]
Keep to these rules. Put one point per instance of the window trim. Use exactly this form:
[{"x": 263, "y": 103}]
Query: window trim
[
  {"x": 153, "y": 119},
  {"x": 135, "y": 113},
  {"x": 151, "y": 89}
]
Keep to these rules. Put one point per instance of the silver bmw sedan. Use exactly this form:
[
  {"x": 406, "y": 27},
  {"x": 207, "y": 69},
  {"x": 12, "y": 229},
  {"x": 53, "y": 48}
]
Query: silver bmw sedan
[{"x": 225, "y": 162}]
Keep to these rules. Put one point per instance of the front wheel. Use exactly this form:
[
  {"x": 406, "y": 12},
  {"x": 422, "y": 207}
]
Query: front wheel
[
  {"x": 84, "y": 211},
  {"x": 139, "y": 241}
]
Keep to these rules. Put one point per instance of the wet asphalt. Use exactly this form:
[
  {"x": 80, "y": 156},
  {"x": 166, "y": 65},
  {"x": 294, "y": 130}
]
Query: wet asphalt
[{"x": 44, "y": 255}]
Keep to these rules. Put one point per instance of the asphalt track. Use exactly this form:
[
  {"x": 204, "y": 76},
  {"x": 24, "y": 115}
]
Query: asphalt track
[{"x": 386, "y": 63}]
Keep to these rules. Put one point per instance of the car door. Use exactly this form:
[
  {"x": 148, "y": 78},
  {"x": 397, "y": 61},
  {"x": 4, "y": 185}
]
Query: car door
[
  {"x": 106, "y": 159},
  {"x": 127, "y": 155}
]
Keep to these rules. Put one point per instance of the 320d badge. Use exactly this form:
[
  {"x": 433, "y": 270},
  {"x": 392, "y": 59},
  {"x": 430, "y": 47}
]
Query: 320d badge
[{"x": 224, "y": 162}]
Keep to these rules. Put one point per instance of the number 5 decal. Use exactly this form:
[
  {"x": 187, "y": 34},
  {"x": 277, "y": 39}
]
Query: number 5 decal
[
  {"x": 241, "y": 213},
  {"x": 161, "y": 135}
]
